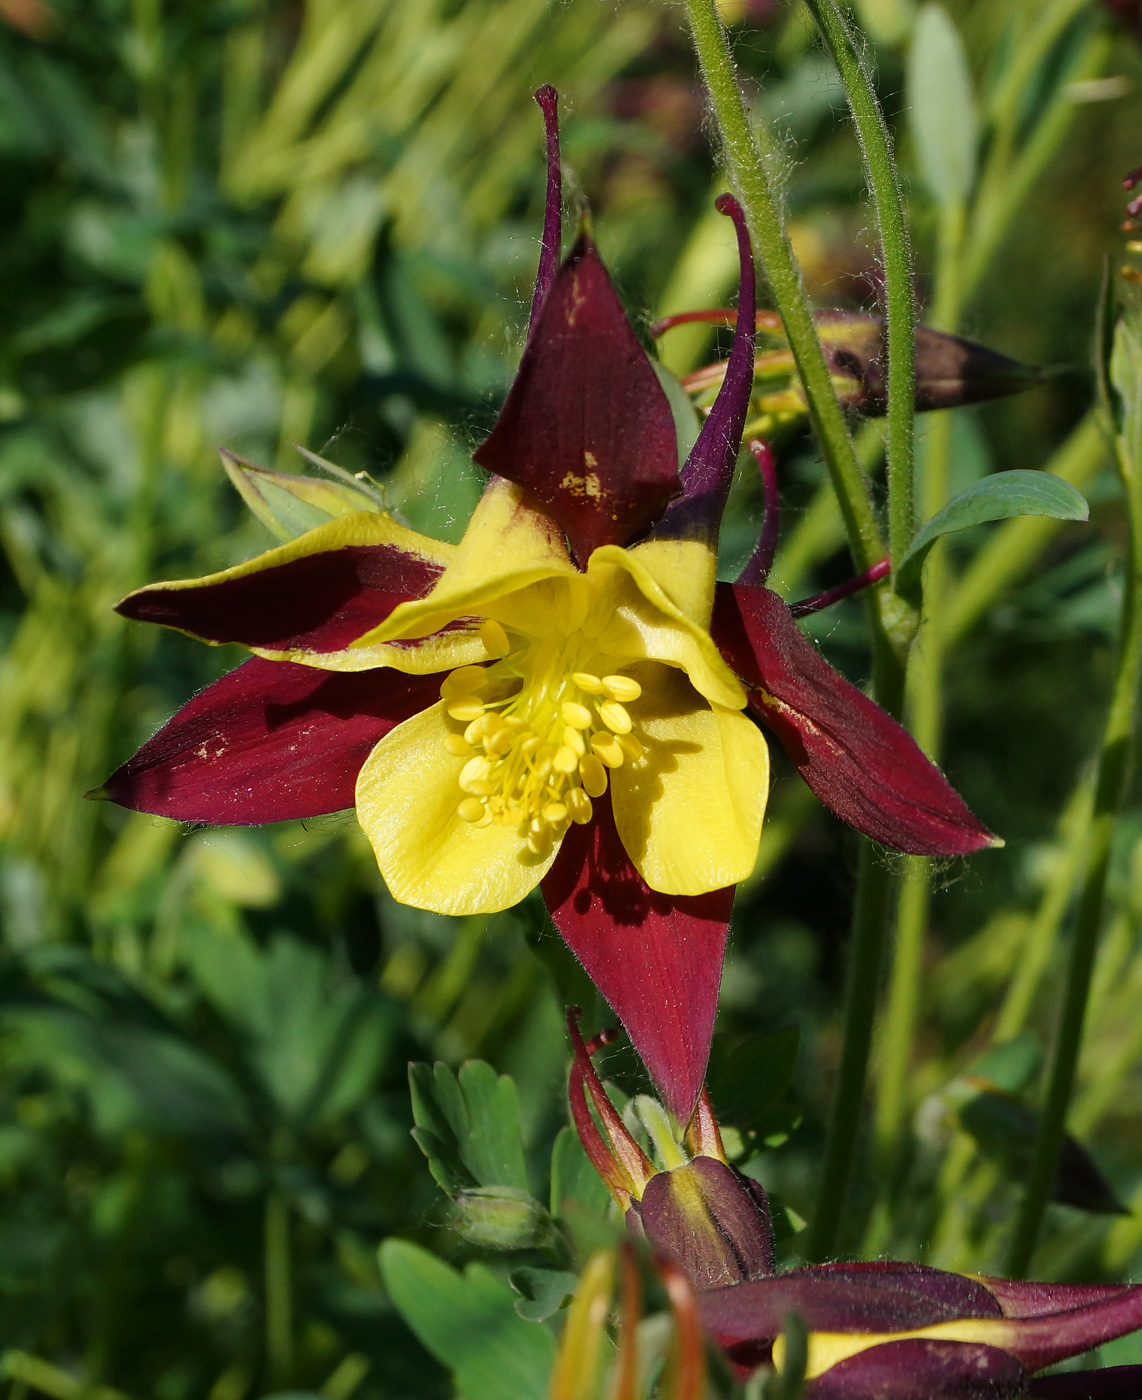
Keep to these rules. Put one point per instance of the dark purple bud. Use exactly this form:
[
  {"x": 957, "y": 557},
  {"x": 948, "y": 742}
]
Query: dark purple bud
[
  {"x": 586, "y": 427},
  {"x": 949, "y": 370},
  {"x": 711, "y": 1220}
]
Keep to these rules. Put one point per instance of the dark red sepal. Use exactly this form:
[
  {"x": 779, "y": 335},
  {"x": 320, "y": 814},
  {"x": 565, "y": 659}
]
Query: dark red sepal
[
  {"x": 922, "y": 1369},
  {"x": 269, "y": 742},
  {"x": 854, "y": 756},
  {"x": 587, "y": 428},
  {"x": 656, "y": 958},
  {"x": 879, "y": 1296},
  {"x": 320, "y": 602}
]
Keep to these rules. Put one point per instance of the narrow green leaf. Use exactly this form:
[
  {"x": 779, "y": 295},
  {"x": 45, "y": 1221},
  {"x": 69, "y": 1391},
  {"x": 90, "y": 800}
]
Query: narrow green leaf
[
  {"x": 997, "y": 497},
  {"x": 941, "y": 106},
  {"x": 469, "y": 1322}
]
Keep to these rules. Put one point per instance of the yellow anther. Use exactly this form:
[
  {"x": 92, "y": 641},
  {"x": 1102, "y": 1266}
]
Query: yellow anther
[
  {"x": 499, "y": 741},
  {"x": 621, "y": 688},
  {"x": 606, "y": 747},
  {"x": 593, "y": 776},
  {"x": 631, "y": 746},
  {"x": 539, "y": 842},
  {"x": 579, "y": 804},
  {"x": 494, "y": 638},
  {"x": 476, "y": 770},
  {"x": 465, "y": 710},
  {"x": 465, "y": 680},
  {"x": 457, "y": 745},
  {"x": 470, "y": 810},
  {"x": 572, "y": 739},
  {"x": 477, "y": 729},
  {"x": 554, "y": 812},
  {"x": 543, "y": 760},
  {"x": 615, "y": 717},
  {"x": 588, "y": 683},
  {"x": 530, "y": 745},
  {"x": 566, "y": 760},
  {"x": 576, "y": 715}
]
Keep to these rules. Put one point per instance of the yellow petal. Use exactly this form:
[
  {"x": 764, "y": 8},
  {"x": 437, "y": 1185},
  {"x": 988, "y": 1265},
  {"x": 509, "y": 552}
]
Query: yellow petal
[
  {"x": 512, "y": 565},
  {"x": 632, "y": 616},
  {"x": 690, "y": 812},
  {"x": 685, "y": 571},
  {"x": 408, "y": 795}
]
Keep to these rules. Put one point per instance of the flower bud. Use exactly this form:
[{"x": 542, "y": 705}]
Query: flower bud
[
  {"x": 500, "y": 1217},
  {"x": 712, "y": 1221}
]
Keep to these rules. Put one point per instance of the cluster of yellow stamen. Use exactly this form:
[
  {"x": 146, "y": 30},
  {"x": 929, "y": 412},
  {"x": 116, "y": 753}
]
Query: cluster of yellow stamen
[{"x": 539, "y": 735}]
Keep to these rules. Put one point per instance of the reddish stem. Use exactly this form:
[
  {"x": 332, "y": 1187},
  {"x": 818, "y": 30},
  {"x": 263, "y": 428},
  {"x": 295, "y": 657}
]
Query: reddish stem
[
  {"x": 842, "y": 590},
  {"x": 760, "y": 561}
]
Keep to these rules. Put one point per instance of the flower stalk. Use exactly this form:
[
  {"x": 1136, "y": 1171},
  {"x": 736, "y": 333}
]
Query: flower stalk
[{"x": 749, "y": 149}]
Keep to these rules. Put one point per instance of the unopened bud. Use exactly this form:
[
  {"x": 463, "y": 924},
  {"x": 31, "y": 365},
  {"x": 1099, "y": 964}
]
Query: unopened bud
[
  {"x": 500, "y": 1217},
  {"x": 711, "y": 1220}
]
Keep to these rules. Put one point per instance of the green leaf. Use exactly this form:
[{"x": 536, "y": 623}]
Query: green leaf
[
  {"x": 996, "y": 497},
  {"x": 942, "y": 106},
  {"x": 468, "y": 1126},
  {"x": 542, "y": 1291},
  {"x": 289, "y": 505},
  {"x": 469, "y": 1322}
]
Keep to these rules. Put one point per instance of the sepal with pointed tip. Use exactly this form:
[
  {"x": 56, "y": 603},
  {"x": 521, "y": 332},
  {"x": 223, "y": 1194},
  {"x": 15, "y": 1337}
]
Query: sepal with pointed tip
[
  {"x": 854, "y": 756},
  {"x": 587, "y": 427}
]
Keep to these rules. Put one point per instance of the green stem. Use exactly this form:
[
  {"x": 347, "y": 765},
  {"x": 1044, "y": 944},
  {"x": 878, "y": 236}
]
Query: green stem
[
  {"x": 1110, "y": 785},
  {"x": 896, "y": 251},
  {"x": 749, "y": 151},
  {"x": 870, "y": 917}
]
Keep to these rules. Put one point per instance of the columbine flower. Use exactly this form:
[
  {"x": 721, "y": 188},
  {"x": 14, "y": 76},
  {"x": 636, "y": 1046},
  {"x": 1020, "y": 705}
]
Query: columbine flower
[
  {"x": 875, "y": 1331},
  {"x": 563, "y": 698}
]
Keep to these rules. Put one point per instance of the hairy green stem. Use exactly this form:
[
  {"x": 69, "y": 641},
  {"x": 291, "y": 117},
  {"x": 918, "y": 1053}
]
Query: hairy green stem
[
  {"x": 750, "y": 150},
  {"x": 875, "y": 881},
  {"x": 896, "y": 250}
]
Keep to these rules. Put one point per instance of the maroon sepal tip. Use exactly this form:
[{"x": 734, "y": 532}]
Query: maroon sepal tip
[
  {"x": 854, "y": 756},
  {"x": 586, "y": 427},
  {"x": 268, "y": 742},
  {"x": 656, "y": 958}
]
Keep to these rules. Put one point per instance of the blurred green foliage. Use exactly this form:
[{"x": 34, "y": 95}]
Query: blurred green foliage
[{"x": 254, "y": 223}]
